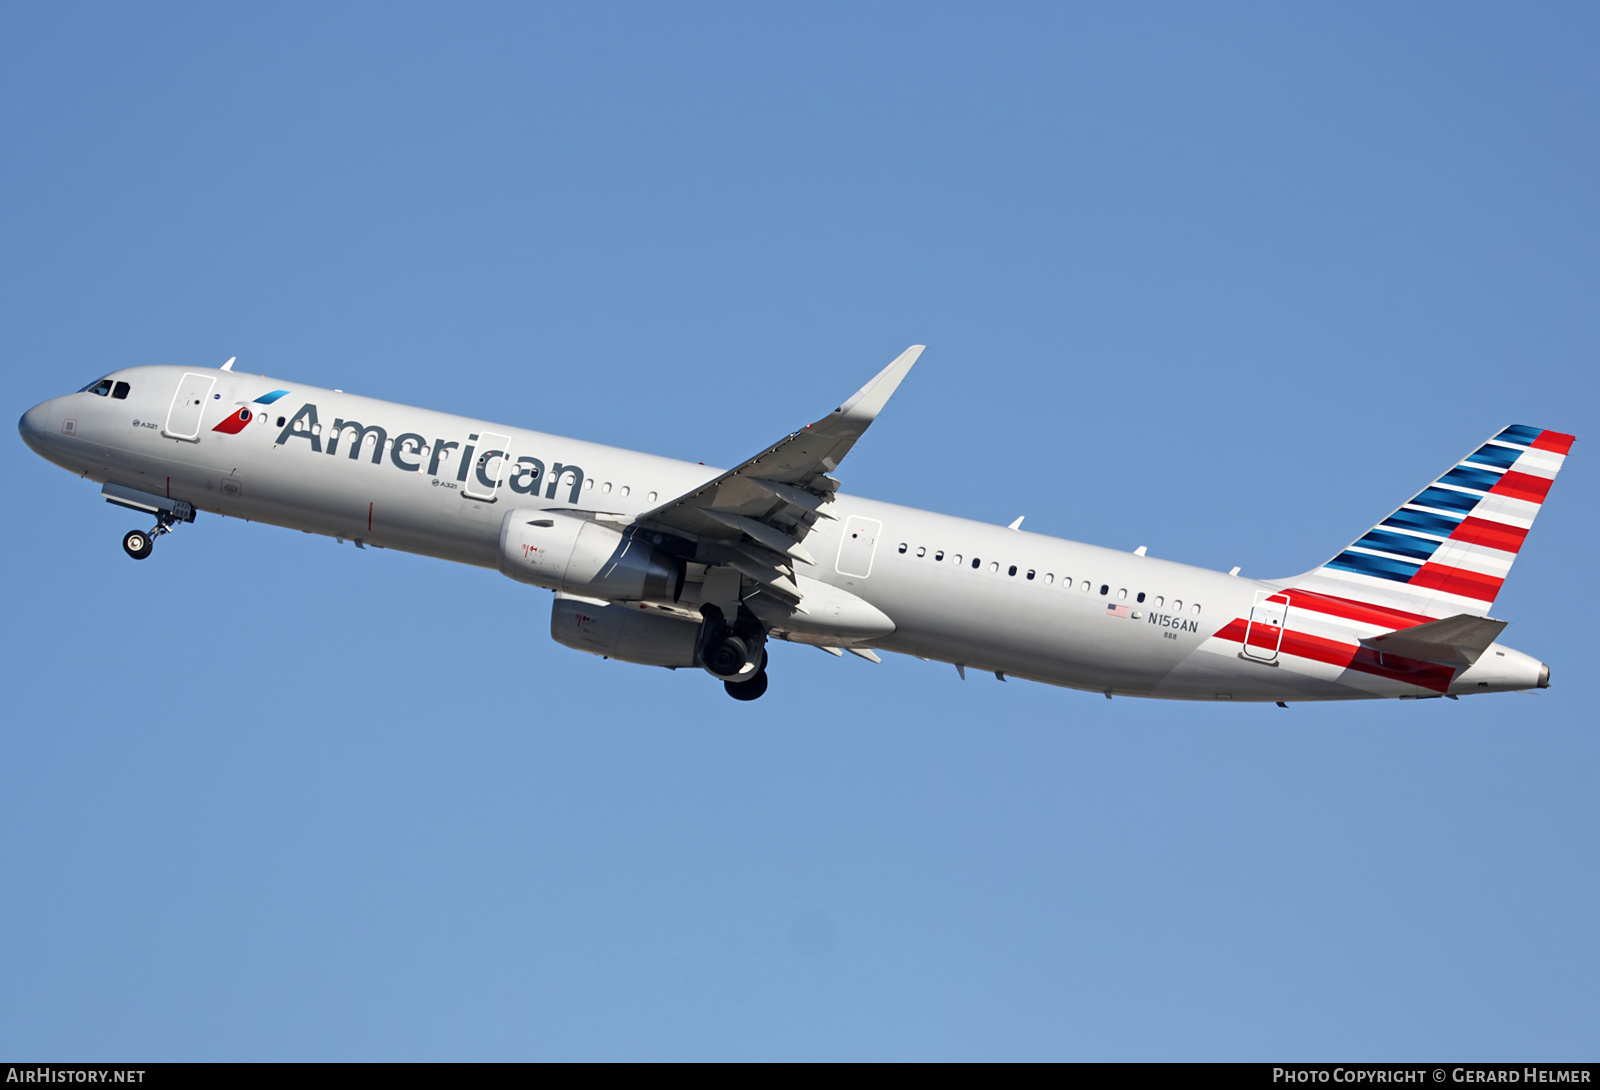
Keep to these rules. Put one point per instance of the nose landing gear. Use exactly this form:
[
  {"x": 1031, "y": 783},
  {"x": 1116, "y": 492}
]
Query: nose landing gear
[
  {"x": 137, "y": 544},
  {"x": 140, "y": 543}
]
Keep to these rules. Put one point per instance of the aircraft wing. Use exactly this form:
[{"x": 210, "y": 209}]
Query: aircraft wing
[{"x": 755, "y": 516}]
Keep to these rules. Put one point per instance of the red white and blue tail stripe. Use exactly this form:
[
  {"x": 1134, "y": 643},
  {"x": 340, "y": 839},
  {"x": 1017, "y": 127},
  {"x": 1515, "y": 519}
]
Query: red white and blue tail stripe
[{"x": 1449, "y": 549}]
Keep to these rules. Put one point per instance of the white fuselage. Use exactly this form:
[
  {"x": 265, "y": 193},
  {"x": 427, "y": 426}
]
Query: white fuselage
[{"x": 988, "y": 598}]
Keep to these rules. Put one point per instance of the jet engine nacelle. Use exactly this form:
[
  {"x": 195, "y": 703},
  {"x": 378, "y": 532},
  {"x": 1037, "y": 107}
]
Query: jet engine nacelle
[
  {"x": 563, "y": 553},
  {"x": 626, "y": 632}
]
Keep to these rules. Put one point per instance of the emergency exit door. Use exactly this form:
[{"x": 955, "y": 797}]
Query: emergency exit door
[{"x": 859, "y": 544}]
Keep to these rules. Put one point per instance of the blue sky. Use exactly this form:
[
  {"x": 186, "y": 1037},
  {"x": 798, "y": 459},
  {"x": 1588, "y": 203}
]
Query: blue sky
[{"x": 1226, "y": 281}]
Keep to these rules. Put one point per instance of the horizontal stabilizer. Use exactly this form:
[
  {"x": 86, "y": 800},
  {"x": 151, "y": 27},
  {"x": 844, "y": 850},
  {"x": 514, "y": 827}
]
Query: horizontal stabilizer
[{"x": 1459, "y": 639}]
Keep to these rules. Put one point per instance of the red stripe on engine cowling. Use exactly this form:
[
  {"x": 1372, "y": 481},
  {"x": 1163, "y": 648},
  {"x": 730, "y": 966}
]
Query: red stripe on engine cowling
[
  {"x": 1494, "y": 535},
  {"x": 1351, "y": 656},
  {"x": 1554, "y": 441},
  {"x": 1468, "y": 584},
  {"x": 1522, "y": 486}
]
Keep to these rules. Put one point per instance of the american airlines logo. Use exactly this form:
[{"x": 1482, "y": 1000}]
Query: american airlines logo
[
  {"x": 234, "y": 424},
  {"x": 407, "y": 450}
]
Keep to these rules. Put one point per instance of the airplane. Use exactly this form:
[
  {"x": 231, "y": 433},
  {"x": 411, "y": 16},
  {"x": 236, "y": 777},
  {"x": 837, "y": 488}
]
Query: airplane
[{"x": 673, "y": 564}]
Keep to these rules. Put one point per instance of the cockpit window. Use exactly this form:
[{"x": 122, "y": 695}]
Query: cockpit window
[
  {"x": 120, "y": 391},
  {"x": 102, "y": 387}
]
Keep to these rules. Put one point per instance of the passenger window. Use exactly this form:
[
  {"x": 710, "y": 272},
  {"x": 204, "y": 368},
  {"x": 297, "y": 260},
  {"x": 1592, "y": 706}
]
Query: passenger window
[
  {"x": 902, "y": 546},
  {"x": 975, "y": 563},
  {"x": 589, "y": 484},
  {"x": 1013, "y": 571},
  {"x": 1049, "y": 577},
  {"x": 120, "y": 391},
  {"x": 1122, "y": 595},
  {"x": 1085, "y": 587},
  {"x": 994, "y": 567},
  {"x": 1105, "y": 589},
  {"x": 281, "y": 421},
  {"x": 1030, "y": 573},
  {"x": 651, "y": 497},
  {"x": 606, "y": 488},
  {"x": 939, "y": 555},
  {"x": 1140, "y": 598},
  {"x": 316, "y": 429},
  {"x": 1195, "y": 609},
  {"x": 922, "y": 550},
  {"x": 1177, "y": 605},
  {"x": 624, "y": 491},
  {"x": 957, "y": 559},
  {"x": 1160, "y": 601}
]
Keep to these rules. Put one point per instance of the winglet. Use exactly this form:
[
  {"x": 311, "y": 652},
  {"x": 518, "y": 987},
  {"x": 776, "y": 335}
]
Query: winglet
[{"x": 867, "y": 402}]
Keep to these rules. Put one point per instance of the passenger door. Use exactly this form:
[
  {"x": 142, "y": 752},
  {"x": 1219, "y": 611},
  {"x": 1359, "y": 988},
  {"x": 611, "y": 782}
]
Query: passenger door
[
  {"x": 188, "y": 405},
  {"x": 483, "y": 478},
  {"x": 1263, "y": 635}
]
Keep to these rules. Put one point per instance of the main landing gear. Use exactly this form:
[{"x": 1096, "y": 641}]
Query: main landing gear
[
  {"x": 754, "y": 687},
  {"x": 735, "y": 654},
  {"x": 140, "y": 543}
]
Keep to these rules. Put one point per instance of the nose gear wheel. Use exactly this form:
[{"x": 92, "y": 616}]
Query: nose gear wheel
[
  {"x": 137, "y": 544},
  {"x": 141, "y": 543}
]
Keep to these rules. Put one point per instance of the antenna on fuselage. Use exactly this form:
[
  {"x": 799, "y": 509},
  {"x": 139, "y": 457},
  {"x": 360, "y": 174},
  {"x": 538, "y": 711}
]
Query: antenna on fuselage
[{"x": 229, "y": 365}]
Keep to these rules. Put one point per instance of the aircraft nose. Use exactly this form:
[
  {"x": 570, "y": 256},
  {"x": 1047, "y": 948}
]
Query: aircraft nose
[
  {"x": 1544, "y": 676},
  {"x": 34, "y": 423}
]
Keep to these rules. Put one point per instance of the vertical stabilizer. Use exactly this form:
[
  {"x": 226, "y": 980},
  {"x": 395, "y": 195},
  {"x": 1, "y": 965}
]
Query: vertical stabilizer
[{"x": 1449, "y": 549}]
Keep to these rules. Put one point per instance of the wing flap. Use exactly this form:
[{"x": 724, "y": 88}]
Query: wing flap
[
  {"x": 772, "y": 538},
  {"x": 798, "y": 497},
  {"x": 769, "y": 577}
]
